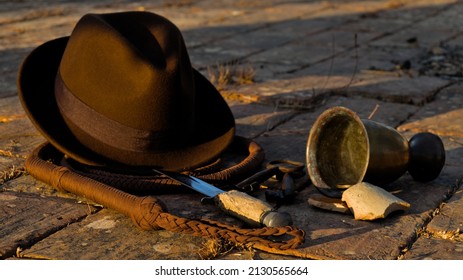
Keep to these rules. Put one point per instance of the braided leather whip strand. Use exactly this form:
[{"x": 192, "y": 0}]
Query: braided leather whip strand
[{"x": 148, "y": 212}]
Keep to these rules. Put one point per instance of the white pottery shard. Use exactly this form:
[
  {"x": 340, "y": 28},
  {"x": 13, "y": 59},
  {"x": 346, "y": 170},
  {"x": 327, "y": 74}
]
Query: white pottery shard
[{"x": 369, "y": 202}]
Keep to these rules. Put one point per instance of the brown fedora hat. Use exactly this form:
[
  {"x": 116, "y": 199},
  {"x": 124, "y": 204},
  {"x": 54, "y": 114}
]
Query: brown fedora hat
[{"x": 120, "y": 92}]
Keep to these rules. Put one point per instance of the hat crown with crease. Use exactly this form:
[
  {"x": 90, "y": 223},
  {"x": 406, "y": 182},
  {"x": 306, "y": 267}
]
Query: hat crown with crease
[
  {"x": 123, "y": 93},
  {"x": 139, "y": 63}
]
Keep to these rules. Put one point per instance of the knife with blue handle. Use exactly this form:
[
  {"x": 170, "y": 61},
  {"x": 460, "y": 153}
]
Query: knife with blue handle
[{"x": 249, "y": 209}]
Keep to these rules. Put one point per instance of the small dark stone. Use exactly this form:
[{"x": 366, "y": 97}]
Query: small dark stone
[
  {"x": 406, "y": 65},
  {"x": 412, "y": 40}
]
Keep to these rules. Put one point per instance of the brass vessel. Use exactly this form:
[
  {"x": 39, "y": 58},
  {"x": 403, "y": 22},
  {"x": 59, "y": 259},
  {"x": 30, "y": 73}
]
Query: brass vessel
[{"x": 343, "y": 150}]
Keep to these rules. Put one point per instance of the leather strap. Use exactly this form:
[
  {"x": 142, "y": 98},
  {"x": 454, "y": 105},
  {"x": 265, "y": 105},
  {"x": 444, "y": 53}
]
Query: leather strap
[
  {"x": 148, "y": 212},
  {"x": 215, "y": 173}
]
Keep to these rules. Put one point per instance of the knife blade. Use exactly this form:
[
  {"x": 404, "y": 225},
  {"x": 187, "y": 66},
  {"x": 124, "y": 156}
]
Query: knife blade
[{"x": 249, "y": 209}]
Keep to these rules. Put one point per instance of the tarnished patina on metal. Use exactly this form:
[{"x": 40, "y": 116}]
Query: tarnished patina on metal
[
  {"x": 337, "y": 151},
  {"x": 343, "y": 150},
  {"x": 389, "y": 153}
]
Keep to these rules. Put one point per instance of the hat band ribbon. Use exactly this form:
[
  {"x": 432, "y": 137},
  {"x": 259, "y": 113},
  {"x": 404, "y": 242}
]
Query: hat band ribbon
[{"x": 107, "y": 131}]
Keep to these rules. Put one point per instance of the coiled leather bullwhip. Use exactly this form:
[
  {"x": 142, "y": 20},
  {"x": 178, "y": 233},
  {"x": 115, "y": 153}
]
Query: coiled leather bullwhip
[
  {"x": 215, "y": 173},
  {"x": 150, "y": 213}
]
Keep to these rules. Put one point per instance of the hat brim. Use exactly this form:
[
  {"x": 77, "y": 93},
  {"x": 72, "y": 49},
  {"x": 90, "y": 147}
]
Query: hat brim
[{"x": 214, "y": 129}]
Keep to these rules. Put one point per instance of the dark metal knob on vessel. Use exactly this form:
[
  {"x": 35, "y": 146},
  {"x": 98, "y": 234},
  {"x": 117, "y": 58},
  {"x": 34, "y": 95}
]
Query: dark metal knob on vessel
[{"x": 427, "y": 156}]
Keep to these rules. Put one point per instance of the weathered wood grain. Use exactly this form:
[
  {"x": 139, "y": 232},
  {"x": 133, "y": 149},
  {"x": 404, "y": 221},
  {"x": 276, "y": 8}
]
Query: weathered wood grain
[
  {"x": 109, "y": 235},
  {"x": 28, "y": 218}
]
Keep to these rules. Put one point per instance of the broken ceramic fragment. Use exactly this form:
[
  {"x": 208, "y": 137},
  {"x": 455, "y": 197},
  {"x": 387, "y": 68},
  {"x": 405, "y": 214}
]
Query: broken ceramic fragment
[
  {"x": 369, "y": 202},
  {"x": 328, "y": 203}
]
